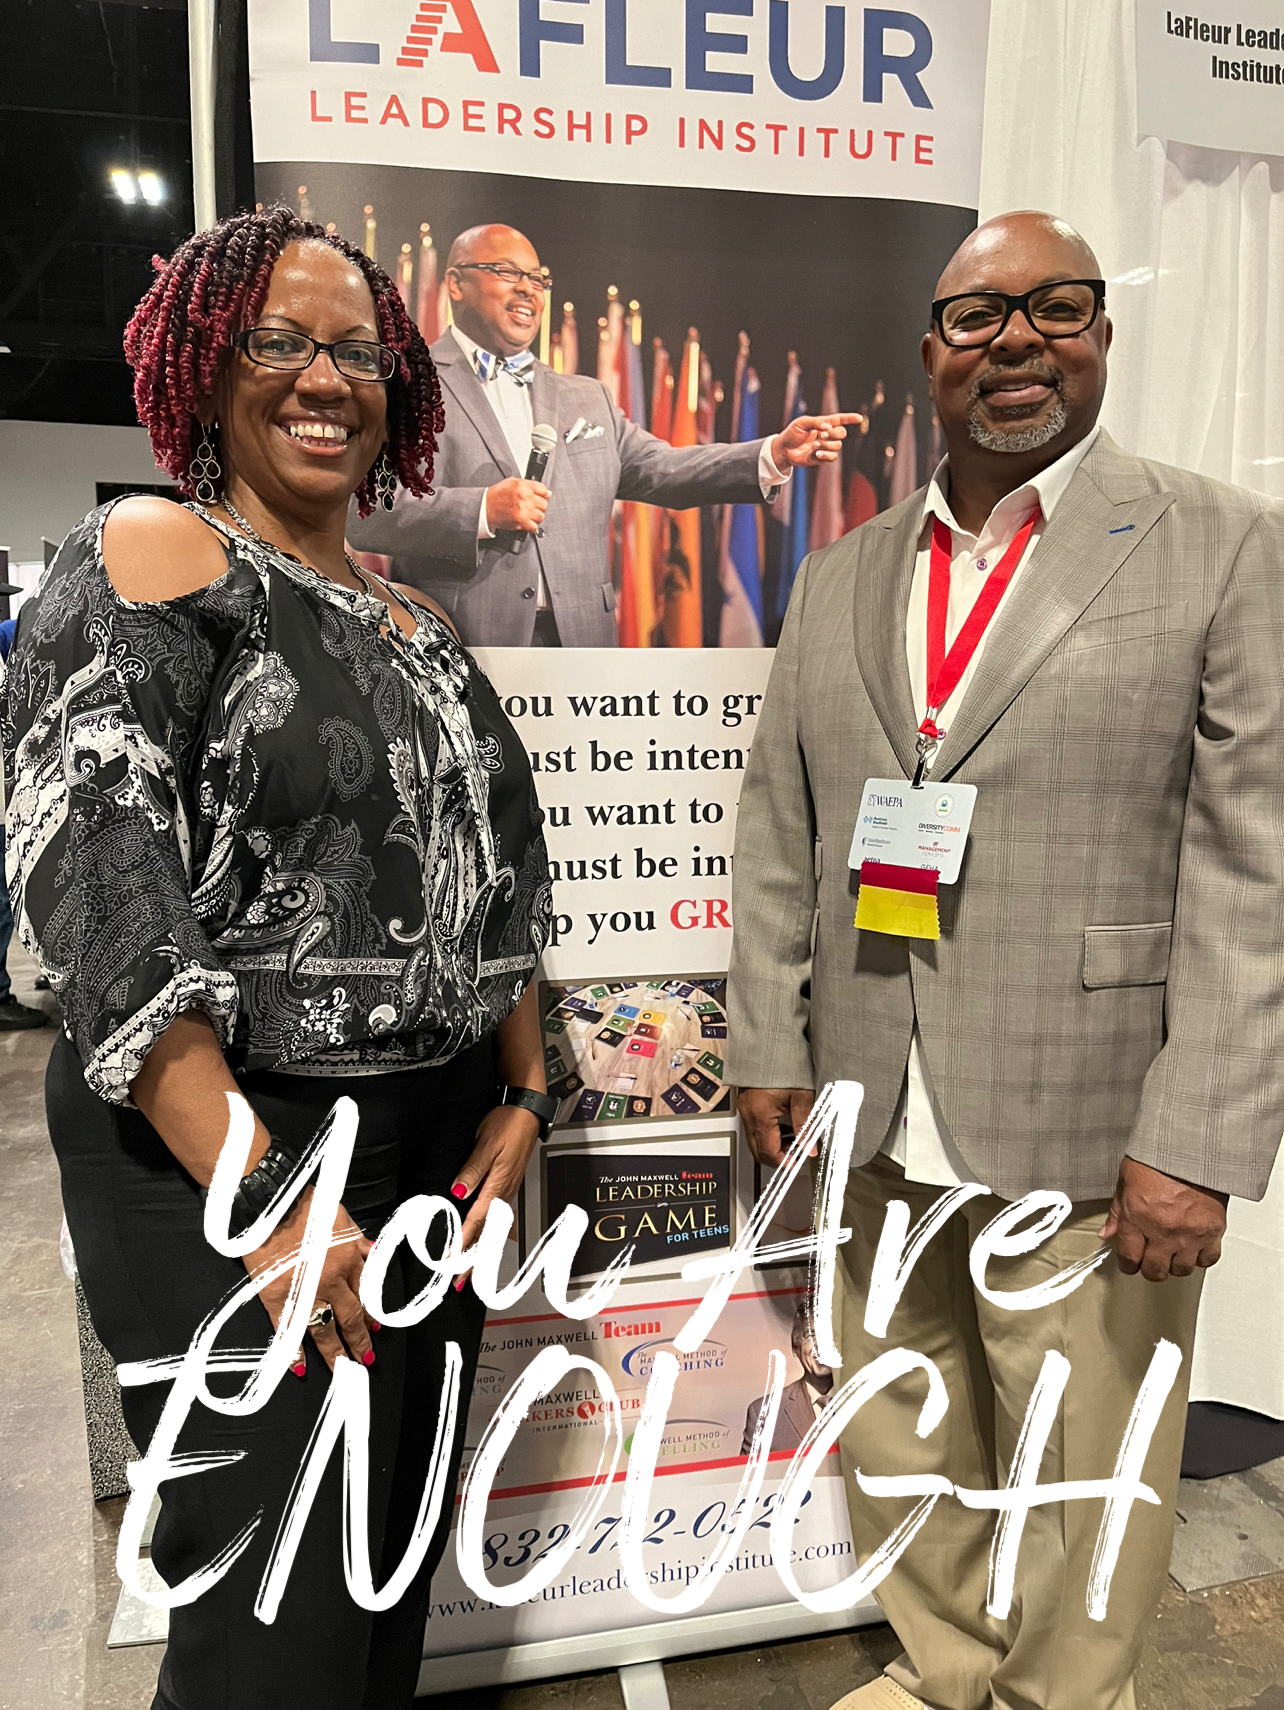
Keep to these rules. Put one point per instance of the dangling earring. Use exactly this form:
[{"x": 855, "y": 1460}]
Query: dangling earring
[
  {"x": 385, "y": 481},
  {"x": 205, "y": 472}
]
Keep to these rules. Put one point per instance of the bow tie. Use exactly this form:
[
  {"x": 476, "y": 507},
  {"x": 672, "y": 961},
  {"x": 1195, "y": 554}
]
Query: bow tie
[{"x": 520, "y": 367}]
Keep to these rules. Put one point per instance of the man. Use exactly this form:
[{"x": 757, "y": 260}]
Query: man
[
  {"x": 14, "y": 1016},
  {"x": 1101, "y": 1013},
  {"x": 800, "y": 1401},
  {"x": 519, "y": 562}
]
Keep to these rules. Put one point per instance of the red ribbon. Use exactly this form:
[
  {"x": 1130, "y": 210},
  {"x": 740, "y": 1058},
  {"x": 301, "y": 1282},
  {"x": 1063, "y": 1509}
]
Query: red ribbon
[{"x": 945, "y": 670}]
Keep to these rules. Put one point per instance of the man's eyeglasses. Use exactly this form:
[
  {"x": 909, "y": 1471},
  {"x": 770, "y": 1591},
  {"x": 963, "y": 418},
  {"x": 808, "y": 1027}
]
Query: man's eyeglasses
[
  {"x": 354, "y": 358},
  {"x": 508, "y": 274},
  {"x": 1062, "y": 310}
]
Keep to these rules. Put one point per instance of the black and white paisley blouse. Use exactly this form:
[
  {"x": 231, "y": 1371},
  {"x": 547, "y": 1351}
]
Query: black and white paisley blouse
[{"x": 261, "y": 801}]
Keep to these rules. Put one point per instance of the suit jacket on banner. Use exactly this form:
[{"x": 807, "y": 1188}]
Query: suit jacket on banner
[
  {"x": 1110, "y": 974},
  {"x": 490, "y": 590}
]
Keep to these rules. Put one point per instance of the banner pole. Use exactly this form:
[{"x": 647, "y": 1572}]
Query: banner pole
[{"x": 202, "y": 36}]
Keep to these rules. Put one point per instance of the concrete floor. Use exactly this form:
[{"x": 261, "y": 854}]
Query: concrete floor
[{"x": 1221, "y": 1649}]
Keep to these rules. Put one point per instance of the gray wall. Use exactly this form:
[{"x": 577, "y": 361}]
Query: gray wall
[{"x": 47, "y": 476}]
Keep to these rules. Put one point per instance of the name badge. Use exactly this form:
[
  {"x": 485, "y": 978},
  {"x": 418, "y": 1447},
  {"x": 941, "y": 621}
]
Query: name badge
[{"x": 906, "y": 842}]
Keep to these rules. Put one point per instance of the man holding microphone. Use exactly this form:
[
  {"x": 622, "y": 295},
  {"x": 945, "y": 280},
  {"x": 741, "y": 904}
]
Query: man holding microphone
[{"x": 518, "y": 561}]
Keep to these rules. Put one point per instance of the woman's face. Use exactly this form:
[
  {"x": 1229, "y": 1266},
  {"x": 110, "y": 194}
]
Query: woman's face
[{"x": 305, "y": 438}]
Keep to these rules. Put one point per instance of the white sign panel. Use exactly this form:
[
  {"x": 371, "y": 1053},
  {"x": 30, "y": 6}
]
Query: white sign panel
[
  {"x": 777, "y": 95},
  {"x": 639, "y": 755},
  {"x": 1213, "y": 78}
]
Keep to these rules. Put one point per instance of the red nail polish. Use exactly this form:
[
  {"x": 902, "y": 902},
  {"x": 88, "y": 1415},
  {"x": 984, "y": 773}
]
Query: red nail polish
[
  {"x": 375, "y": 1327},
  {"x": 367, "y": 1359},
  {"x": 460, "y": 1284},
  {"x": 459, "y": 1191},
  {"x": 301, "y": 1370}
]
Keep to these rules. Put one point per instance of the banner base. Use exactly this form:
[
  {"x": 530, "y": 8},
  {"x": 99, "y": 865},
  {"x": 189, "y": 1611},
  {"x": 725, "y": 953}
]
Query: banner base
[{"x": 622, "y": 1648}]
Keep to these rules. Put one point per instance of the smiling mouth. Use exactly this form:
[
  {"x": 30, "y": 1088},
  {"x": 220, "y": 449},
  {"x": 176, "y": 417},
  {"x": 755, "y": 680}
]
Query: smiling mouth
[
  {"x": 319, "y": 438},
  {"x": 523, "y": 312},
  {"x": 1023, "y": 391}
]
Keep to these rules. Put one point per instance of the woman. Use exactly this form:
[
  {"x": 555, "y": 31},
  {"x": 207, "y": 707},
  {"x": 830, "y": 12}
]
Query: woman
[{"x": 271, "y": 833}]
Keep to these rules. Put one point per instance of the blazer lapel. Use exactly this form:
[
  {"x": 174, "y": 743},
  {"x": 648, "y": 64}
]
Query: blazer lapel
[
  {"x": 459, "y": 379},
  {"x": 544, "y": 408},
  {"x": 1104, "y": 514},
  {"x": 882, "y": 600}
]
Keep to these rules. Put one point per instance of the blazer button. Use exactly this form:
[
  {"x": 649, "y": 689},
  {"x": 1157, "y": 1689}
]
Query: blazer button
[{"x": 528, "y": 593}]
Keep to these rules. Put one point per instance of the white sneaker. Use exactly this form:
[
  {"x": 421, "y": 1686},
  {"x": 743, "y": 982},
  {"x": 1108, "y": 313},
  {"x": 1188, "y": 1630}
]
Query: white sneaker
[{"x": 881, "y": 1694}]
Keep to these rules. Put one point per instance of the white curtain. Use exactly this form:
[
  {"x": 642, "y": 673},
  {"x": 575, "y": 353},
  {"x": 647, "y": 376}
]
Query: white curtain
[
  {"x": 1191, "y": 241},
  {"x": 1191, "y": 244}
]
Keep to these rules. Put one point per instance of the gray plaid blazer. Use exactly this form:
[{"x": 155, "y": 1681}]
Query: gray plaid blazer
[
  {"x": 1110, "y": 972},
  {"x": 486, "y": 586}
]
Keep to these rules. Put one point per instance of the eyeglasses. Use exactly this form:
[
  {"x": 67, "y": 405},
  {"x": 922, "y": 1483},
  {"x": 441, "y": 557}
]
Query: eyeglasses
[
  {"x": 507, "y": 274},
  {"x": 1061, "y": 310},
  {"x": 355, "y": 358}
]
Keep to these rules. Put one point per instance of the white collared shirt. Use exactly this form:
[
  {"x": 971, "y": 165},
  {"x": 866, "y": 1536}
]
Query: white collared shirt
[{"x": 919, "y": 1139}]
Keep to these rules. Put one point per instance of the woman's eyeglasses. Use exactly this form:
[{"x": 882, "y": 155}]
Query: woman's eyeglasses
[{"x": 354, "y": 358}]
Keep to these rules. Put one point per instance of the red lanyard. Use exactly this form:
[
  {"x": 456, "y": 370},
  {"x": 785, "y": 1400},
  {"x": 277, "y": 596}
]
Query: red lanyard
[{"x": 945, "y": 670}]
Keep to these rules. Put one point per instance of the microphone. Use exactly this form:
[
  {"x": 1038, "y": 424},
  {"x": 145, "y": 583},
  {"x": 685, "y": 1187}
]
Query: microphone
[{"x": 543, "y": 439}]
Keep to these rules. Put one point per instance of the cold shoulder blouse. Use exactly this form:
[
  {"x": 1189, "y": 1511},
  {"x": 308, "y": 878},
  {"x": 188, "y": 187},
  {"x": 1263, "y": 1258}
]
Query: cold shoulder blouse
[{"x": 262, "y": 801}]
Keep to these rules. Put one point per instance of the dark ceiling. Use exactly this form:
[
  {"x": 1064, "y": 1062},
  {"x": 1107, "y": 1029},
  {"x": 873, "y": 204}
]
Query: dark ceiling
[{"x": 87, "y": 86}]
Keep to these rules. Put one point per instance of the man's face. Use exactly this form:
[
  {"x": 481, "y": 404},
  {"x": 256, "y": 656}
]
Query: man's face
[
  {"x": 807, "y": 1358},
  {"x": 501, "y": 315},
  {"x": 1022, "y": 391}
]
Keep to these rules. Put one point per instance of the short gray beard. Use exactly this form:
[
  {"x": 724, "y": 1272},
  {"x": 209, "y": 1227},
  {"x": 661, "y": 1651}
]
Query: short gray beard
[{"x": 1030, "y": 438}]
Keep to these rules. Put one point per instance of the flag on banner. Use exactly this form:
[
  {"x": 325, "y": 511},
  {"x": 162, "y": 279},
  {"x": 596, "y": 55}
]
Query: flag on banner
[
  {"x": 609, "y": 344},
  {"x": 661, "y": 391},
  {"x": 427, "y": 315},
  {"x": 862, "y": 501},
  {"x": 740, "y": 560},
  {"x": 635, "y": 606},
  {"x": 905, "y": 469},
  {"x": 827, "y": 504},
  {"x": 682, "y": 619},
  {"x": 570, "y": 340},
  {"x": 791, "y": 506}
]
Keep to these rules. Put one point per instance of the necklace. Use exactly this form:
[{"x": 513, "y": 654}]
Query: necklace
[{"x": 249, "y": 529}]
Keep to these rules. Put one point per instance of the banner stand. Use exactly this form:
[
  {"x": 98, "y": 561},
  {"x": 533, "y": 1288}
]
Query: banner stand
[{"x": 637, "y": 1652}]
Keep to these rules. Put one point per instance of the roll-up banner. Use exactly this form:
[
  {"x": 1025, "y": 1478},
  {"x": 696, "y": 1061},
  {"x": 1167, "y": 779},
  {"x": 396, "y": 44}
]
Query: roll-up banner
[{"x": 742, "y": 207}]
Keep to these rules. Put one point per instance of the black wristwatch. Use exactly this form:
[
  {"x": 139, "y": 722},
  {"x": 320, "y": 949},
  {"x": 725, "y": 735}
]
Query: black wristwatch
[{"x": 540, "y": 1104}]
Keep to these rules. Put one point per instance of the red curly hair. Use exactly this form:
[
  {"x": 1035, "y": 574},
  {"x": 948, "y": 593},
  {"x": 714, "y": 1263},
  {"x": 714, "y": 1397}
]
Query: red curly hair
[{"x": 213, "y": 286}]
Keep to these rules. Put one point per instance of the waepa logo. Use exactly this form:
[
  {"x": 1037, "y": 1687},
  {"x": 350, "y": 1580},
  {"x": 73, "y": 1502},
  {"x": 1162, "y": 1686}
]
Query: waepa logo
[{"x": 893, "y": 44}]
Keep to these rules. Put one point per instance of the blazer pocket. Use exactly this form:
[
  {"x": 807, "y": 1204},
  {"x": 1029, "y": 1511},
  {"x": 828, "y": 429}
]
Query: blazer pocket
[
  {"x": 1126, "y": 955},
  {"x": 1128, "y": 626}
]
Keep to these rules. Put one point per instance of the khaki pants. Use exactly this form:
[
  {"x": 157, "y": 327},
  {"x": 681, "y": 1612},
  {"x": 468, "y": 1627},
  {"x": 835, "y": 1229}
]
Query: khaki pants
[{"x": 1048, "y": 1654}]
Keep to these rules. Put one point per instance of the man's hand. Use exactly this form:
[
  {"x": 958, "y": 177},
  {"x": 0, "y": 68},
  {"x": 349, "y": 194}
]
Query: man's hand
[
  {"x": 517, "y": 507},
  {"x": 1161, "y": 1226},
  {"x": 811, "y": 440},
  {"x": 767, "y": 1111}
]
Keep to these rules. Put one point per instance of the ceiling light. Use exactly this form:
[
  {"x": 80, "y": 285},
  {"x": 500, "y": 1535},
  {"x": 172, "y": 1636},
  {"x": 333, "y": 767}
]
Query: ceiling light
[
  {"x": 123, "y": 184},
  {"x": 152, "y": 187}
]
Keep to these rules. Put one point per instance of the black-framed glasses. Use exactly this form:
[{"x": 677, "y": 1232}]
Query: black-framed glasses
[
  {"x": 354, "y": 358},
  {"x": 1060, "y": 310},
  {"x": 508, "y": 274}
]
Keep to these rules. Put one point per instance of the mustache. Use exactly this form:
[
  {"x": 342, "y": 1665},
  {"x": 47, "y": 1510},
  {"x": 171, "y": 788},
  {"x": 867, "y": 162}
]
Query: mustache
[{"x": 1041, "y": 371}]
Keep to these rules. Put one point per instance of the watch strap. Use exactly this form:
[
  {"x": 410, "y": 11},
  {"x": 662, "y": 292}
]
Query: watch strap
[{"x": 541, "y": 1105}]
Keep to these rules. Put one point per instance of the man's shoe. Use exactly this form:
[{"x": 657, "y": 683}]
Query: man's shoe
[
  {"x": 15, "y": 1015},
  {"x": 880, "y": 1694}
]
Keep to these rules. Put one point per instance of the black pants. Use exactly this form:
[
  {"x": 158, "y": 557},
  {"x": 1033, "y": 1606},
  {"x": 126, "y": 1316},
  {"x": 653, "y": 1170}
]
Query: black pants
[{"x": 150, "y": 1278}]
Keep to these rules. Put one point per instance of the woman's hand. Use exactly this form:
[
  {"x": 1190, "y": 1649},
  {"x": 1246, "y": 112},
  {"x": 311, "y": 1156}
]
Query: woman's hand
[
  {"x": 339, "y": 1285},
  {"x": 506, "y": 1138}
]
